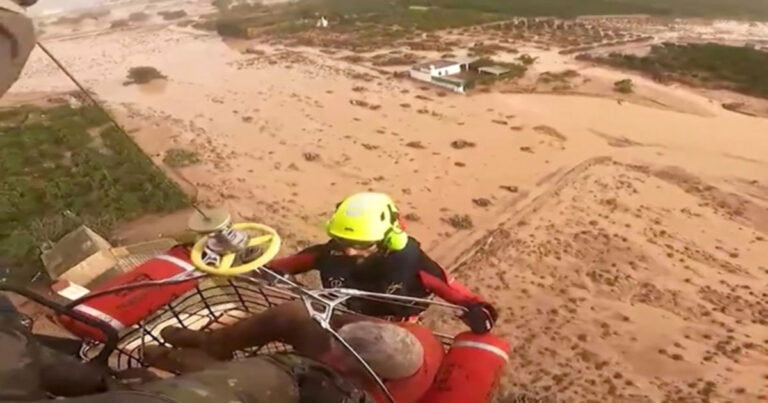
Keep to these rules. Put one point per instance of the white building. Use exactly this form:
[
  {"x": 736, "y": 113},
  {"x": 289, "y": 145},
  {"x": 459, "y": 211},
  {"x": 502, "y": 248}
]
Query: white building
[
  {"x": 435, "y": 68},
  {"x": 442, "y": 73}
]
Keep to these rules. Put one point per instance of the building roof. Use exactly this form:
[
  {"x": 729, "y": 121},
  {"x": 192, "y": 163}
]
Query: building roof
[
  {"x": 495, "y": 70},
  {"x": 465, "y": 59},
  {"x": 434, "y": 64}
]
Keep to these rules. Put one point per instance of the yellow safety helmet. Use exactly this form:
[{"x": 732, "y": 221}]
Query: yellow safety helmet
[{"x": 368, "y": 218}]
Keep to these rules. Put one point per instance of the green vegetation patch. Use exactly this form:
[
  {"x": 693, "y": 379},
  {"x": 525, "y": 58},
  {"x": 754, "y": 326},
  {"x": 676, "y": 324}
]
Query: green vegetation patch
[
  {"x": 172, "y": 15},
  {"x": 63, "y": 167},
  {"x": 740, "y": 69},
  {"x": 179, "y": 158},
  {"x": 240, "y": 19},
  {"x": 120, "y": 24},
  {"x": 562, "y": 77},
  {"x": 139, "y": 16},
  {"x": 569, "y": 8},
  {"x": 428, "y": 20},
  {"x": 558, "y": 8},
  {"x": 625, "y": 86}
]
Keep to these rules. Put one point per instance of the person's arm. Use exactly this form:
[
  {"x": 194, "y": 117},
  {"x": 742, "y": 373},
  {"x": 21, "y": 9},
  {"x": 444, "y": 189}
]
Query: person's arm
[
  {"x": 298, "y": 263},
  {"x": 480, "y": 315},
  {"x": 437, "y": 281}
]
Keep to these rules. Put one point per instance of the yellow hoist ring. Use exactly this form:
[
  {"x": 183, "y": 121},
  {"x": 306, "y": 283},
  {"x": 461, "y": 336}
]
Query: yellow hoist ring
[{"x": 271, "y": 239}]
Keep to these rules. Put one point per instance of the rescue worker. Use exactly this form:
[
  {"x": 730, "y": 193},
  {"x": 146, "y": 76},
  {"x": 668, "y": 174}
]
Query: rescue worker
[{"x": 370, "y": 251}]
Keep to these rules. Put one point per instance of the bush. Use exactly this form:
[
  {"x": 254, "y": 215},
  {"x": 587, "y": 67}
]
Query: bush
[
  {"x": 396, "y": 60},
  {"x": 119, "y": 24},
  {"x": 138, "y": 16},
  {"x": 143, "y": 75},
  {"x": 460, "y": 221},
  {"x": 172, "y": 15},
  {"x": 557, "y": 77},
  {"x": 527, "y": 59},
  {"x": 625, "y": 86},
  {"x": 231, "y": 28},
  {"x": 179, "y": 158}
]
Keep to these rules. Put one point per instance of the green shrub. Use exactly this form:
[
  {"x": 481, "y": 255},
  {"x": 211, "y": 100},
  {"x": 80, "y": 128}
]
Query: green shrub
[
  {"x": 119, "y": 24},
  {"x": 232, "y": 28},
  {"x": 179, "y": 158},
  {"x": 138, "y": 16},
  {"x": 561, "y": 77},
  {"x": 625, "y": 86},
  {"x": 143, "y": 75},
  {"x": 527, "y": 59},
  {"x": 172, "y": 15}
]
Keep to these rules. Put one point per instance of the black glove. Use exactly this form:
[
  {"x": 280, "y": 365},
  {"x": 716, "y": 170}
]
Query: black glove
[{"x": 480, "y": 317}]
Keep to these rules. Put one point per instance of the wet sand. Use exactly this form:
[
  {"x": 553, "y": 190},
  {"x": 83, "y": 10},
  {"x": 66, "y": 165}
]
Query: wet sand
[{"x": 623, "y": 241}]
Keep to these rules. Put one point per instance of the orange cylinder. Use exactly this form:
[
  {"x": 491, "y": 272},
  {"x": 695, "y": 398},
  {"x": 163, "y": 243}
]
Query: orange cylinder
[{"x": 470, "y": 370}]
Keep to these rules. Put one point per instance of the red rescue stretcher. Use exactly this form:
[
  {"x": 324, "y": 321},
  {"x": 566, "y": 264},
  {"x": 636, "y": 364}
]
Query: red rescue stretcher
[{"x": 195, "y": 288}]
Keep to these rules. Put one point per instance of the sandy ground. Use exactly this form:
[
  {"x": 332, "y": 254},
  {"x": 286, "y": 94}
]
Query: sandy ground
[{"x": 623, "y": 239}]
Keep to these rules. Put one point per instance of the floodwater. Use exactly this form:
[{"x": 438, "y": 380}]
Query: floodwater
[{"x": 668, "y": 198}]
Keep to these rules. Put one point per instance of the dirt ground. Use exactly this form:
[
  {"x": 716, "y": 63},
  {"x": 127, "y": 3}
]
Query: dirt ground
[{"x": 622, "y": 237}]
